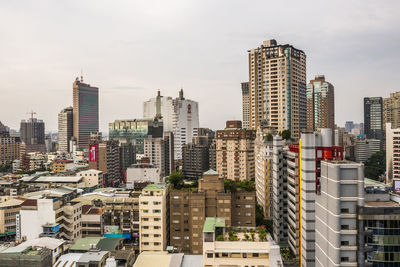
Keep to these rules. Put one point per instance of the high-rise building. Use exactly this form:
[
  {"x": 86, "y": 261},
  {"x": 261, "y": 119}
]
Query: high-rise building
[
  {"x": 4, "y": 131},
  {"x": 153, "y": 219},
  {"x": 158, "y": 150},
  {"x": 9, "y": 146},
  {"x": 246, "y": 105},
  {"x": 349, "y": 125},
  {"x": 85, "y": 112},
  {"x": 373, "y": 118},
  {"x": 128, "y": 156},
  {"x": 277, "y": 87},
  {"x": 32, "y": 131},
  {"x": 135, "y": 131},
  {"x": 341, "y": 191},
  {"x": 392, "y": 154},
  {"x": 364, "y": 149},
  {"x": 196, "y": 157},
  {"x": 235, "y": 152},
  {"x": 65, "y": 129},
  {"x": 391, "y": 109},
  {"x": 320, "y": 104},
  {"x": 179, "y": 115}
]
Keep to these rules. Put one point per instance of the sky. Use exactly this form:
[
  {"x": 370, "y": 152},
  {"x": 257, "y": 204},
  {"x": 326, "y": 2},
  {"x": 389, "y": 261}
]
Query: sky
[{"x": 130, "y": 49}]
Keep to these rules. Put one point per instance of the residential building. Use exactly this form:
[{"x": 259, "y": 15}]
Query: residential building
[
  {"x": 93, "y": 258},
  {"x": 277, "y": 87},
  {"x": 320, "y": 104},
  {"x": 235, "y": 152},
  {"x": 25, "y": 256},
  {"x": 349, "y": 126},
  {"x": 196, "y": 157},
  {"x": 220, "y": 249},
  {"x": 8, "y": 213},
  {"x": 373, "y": 118},
  {"x": 9, "y": 149},
  {"x": 364, "y": 149},
  {"x": 212, "y": 154},
  {"x": 341, "y": 191},
  {"x": 246, "y": 105},
  {"x": 32, "y": 131},
  {"x": 161, "y": 258},
  {"x": 65, "y": 129},
  {"x": 391, "y": 110},
  {"x": 128, "y": 156},
  {"x": 92, "y": 221},
  {"x": 92, "y": 178},
  {"x": 85, "y": 112},
  {"x": 62, "y": 165},
  {"x": 160, "y": 152},
  {"x": 140, "y": 173},
  {"x": 153, "y": 218},
  {"x": 135, "y": 131},
  {"x": 189, "y": 208},
  {"x": 56, "y": 246},
  {"x": 392, "y": 154},
  {"x": 263, "y": 168},
  {"x": 179, "y": 115}
]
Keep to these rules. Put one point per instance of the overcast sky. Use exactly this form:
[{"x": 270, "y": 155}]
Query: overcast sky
[{"x": 129, "y": 49}]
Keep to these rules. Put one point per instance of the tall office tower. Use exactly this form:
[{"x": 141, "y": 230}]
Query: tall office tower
[
  {"x": 277, "y": 87},
  {"x": 195, "y": 157},
  {"x": 158, "y": 150},
  {"x": 9, "y": 146},
  {"x": 320, "y": 104},
  {"x": 153, "y": 218},
  {"x": 189, "y": 209},
  {"x": 373, "y": 118},
  {"x": 179, "y": 115},
  {"x": 314, "y": 148},
  {"x": 128, "y": 156},
  {"x": 342, "y": 190},
  {"x": 263, "y": 168},
  {"x": 85, "y": 112},
  {"x": 135, "y": 131},
  {"x": 349, "y": 126},
  {"x": 246, "y": 105},
  {"x": 364, "y": 149},
  {"x": 391, "y": 110},
  {"x": 65, "y": 129},
  {"x": 392, "y": 154},
  {"x": 235, "y": 152}
]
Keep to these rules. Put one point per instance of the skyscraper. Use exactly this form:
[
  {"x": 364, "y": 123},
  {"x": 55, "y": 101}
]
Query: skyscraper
[
  {"x": 277, "y": 87},
  {"x": 320, "y": 104},
  {"x": 85, "y": 112},
  {"x": 179, "y": 115},
  {"x": 373, "y": 117},
  {"x": 391, "y": 110},
  {"x": 65, "y": 129},
  {"x": 246, "y": 105},
  {"x": 32, "y": 131}
]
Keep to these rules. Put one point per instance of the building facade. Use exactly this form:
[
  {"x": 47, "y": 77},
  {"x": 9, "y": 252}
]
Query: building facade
[
  {"x": 85, "y": 112},
  {"x": 373, "y": 118},
  {"x": 196, "y": 157},
  {"x": 235, "y": 152},
  {"x": 391, "y": 109},
  {"x": 65, "y": 129},
  {"x": 392, "y": 153},
  {"x": 159, "y": 150},
  {"x": 320, "y": 104},
  {"x": 277, "y": 87},
  {"x": 245, "y": 105},
  {"x": 364, "y": 149}
]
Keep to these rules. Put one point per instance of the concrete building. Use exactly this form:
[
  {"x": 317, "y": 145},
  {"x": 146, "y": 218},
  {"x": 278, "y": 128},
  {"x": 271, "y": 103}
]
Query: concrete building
[
  {"x": 160, "y": 152},
  {"x": 277, "y": 87},
  {"x": 179, "y": 115},
  {"x": 364, "y": 149},
  {"x": 373, "y": 118},
  {"x": 85, "y": 112},
  {"x": 92, "y": 178},
  {"x": 8, "y": 213},
  {"x": 25, "y": 256},
  {"x": 220, "y": 249},
  {"x": 189, "y": 208},
  {"x": 153, "y": 218},
  {"x": 235, "y": 152},
  {"x": 9, "y": 149},
  {"x": 349, "y": 125},
  {"x": 141, "y": 173},
  {"x": 32, "y": 131},
  {"x": 391, "y": 110},
  {"x": 196, "y": 157},
  {"x": 320, "y": 104},
  {"x": 65, "y": 129},
  {"x": 92, "y": 221},
  {"x": 263, "y": 168},
  {"x": 392, "y": 153},
  {"x": 245, "y": 105},
  {"x": 342, "y": 190},
  {"x": 135, "y": 131}
]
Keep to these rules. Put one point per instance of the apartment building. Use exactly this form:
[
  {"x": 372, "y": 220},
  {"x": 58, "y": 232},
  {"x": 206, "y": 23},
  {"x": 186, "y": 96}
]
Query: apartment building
[
  {"x": 392, "y": 154},
  {"x": 196, "y": 157},
  {"x": 65, "y": 129},
  {"x": 245, "y": 105},
  {"x": 92, "y": 221},
  {"x": 153, "y": 218},
  {"x": 391, "y": 110},
  {"x": 9, "y": 210},
  {"x": 160, "y": 151},
  {"x": 373, "y": 118},
  {"x": 235, "y": 152}
]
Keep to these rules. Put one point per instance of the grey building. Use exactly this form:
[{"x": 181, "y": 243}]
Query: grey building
[
  {"x": 342, "y": 190},
  {"x": 373, "y": 117},
  {"x": 349, "y": 125},
  {"x": 364, "y": 149},
  {"x": 65, "y": 129},
  {"x": 128, "y": 156},
  {"x": 245, "y": 105},
  {"x": 32, "y": 131},
  {"x": 85, "y": 112},
  {"x": 195, "y": 158}
]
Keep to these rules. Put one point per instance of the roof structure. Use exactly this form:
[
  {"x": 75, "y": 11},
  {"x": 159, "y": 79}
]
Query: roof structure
[
  {"x": 212, "y": 222},
  {"x": 68, "y": 260},
  {"x": 159, "y": 259},
  {"x": 108, "y": 243},
  {"x": 211, "y": 172},
  {"x": 159, "y": 186},
  {"x": 43, "y": 242}
]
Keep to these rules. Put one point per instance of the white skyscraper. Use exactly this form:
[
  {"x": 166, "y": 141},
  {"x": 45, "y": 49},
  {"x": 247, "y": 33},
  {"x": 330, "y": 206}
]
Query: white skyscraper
[{"x": 180, "y": 116}]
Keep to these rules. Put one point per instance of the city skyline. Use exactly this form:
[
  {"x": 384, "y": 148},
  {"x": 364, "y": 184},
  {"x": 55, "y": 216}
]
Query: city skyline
[{"x": 129, "y": 63}]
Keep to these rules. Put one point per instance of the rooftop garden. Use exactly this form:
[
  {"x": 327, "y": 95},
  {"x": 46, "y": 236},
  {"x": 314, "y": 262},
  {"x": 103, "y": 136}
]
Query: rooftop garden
[
  {"x": 258, "y": 234},
  {"x": 234, "y": 186}
]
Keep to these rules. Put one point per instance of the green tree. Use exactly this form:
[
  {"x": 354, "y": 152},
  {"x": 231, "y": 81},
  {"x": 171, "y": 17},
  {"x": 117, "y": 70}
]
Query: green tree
[
  {"x": 220, "y": 238},
  {"x": 230, "y": 186},
  {"x": 376, "y": 165},
  {"x": 269, "y": 137},
  {"x": 286, "y": 134},
  {"x": 176, "y": 179}
]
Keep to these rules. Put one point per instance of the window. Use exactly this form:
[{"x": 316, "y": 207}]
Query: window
[
  {"x": 224, "y": 254},
  {"x": 255, "y": 255},
  {"x": 344, "y": 243},
  {"x": 244, "y": 255},
  {"x": 344, "y": 227},
  {"x": 344, "y": 259},
  {"x": 344, "y": 210},
  {"x": 209, "y": 255}
]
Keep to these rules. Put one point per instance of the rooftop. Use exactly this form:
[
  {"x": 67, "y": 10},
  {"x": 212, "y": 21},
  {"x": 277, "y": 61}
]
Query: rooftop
[
  {"x": 212, "y": 222},
  {"x": 11, "y": 202},
  {"x": 211, "y": 172},
  {"x": 381, "y": 204},
  {"x": 159, "y": 259},
  {"x": 159, "y": 186},
  {"x": 43, "y": 242},
  {"x": 68, "y": 260},
  {"x": 92, "y": 256}
]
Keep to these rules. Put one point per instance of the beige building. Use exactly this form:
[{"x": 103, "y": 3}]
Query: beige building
[
  {"x": 92, "y": 178},
  {"x": 263, "y": 153},
  {"x": 9, "y": 150},
  {"x": 8, "y": 211},
  {"x": 277, "y": 87},
  {"x": 391, "y": 110},
  {"x": 235, "y": 152},
  {"x": 65, "y": 129},
  {"x": 153, "y": 218}
]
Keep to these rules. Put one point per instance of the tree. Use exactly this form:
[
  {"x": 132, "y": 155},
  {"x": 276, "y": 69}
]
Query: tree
[
  {"x": 376, "y": 165},
  {"x": 176, "y": 179},
  {"x": 229, "y": 186},
  {"x": 286, "y": 134},
  {"x": 220, "y": 238},
  {"x": 269, "y": 137}
]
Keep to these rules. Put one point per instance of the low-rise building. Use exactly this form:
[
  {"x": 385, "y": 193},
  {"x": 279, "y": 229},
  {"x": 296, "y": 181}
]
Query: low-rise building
[
  {"x": 56, "y": 246},
  {"x": 142, "y": 172},
  {"x": 25, "y": 256},
  {"x": 92, "y": 221},
  {"x": 8, "y": 212}
]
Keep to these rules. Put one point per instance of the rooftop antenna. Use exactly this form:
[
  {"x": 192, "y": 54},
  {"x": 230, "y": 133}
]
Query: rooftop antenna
[
  {"x": 81, "y": 75},
  {"x": 31, "y": 113}
]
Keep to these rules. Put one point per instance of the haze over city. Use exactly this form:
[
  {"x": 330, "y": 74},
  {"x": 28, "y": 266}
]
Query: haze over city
[{"x": 129, "y": 49}]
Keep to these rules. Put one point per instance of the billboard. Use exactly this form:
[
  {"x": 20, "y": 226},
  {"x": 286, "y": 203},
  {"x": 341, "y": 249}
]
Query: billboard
[
  {"x": 111, "y": 229},
  {"x": 93, "y": 153},
  {"x": 396, "y": 186}
]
